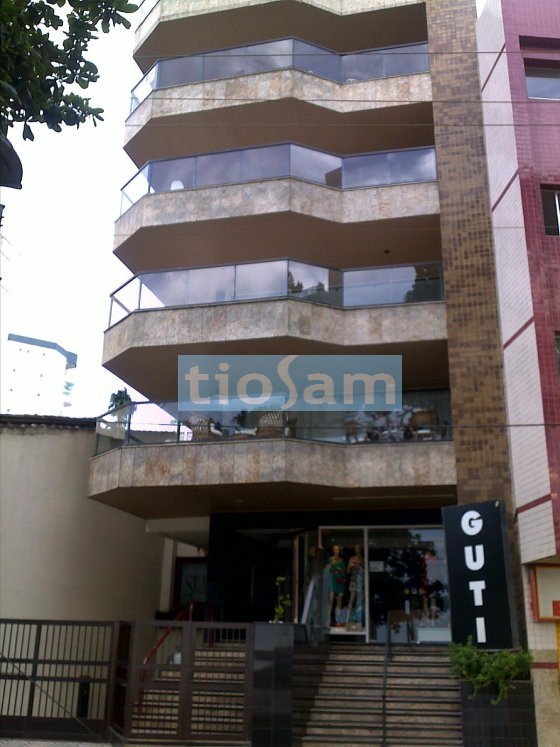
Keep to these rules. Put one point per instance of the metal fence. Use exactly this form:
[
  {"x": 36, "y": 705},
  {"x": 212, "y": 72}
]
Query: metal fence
[
  {"x": 55, "y": 678},
  {"x": 196, "y": 685}
]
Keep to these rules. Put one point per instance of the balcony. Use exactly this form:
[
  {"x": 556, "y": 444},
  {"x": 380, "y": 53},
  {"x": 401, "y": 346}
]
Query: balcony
[
  {"x": 260, "y": 461},
  {"x": 372, "y": 64},
  {"x": 373, "y": 286},
  {"x": 248, "y": 194},
  {"x": 283, "y": 90},
  {"x": 173, "y": 28},
  {"x": 271, "y": 307}
]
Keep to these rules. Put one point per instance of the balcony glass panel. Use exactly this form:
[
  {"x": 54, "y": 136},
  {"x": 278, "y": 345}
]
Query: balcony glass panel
[
  {"x": 392, "y": 285},
  {"x": 225, "y": 63},
  {"x": 426, "y": 416},
  {"x": 219, "y": 168},
  {"x": 309, "y": 283},
  {"x": 261, "y": 280},
  {"x": 418, "y": 165},
  {"x": 266, "y": 163},
  {"x": 312, "y": 59},
  {"x": 136, "y": 188},
  {"x": 143, "y": 89},
  {"x": 124, "y": 301},
  {"x": 211, "y": 285},
  {"x": 277, "y": 161},
  {"x": 362, "y": 66},
  {"x": 172, "y": 174},
  {"x": 282, "y": 54},
  {"x": 276, "y": 55},
  {"x": 160, "y": 289},
  {"x": 371, "y": 170},
  {"x": 152, "y": 422},
  {"x": 405, "y": 60},
  {"x": 315, "y": 166},
  {"x": 179, "y": 71}
]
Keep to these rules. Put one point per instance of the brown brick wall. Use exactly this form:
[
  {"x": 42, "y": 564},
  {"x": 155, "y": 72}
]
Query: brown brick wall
[
  {"x": 474, "y": 343},
  {"x": 475, "y": 357}
]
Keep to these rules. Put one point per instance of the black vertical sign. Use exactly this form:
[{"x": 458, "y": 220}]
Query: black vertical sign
[{"x": 478, "y": 578}]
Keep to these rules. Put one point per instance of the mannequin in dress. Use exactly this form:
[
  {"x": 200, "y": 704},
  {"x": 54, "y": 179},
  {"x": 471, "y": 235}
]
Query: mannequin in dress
[
  {"x": 337, "y": 569},
  {"x": 355, "y": 571}
]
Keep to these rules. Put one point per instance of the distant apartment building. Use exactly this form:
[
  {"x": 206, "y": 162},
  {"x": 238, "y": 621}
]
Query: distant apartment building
[{"x": 36, "y": 376}]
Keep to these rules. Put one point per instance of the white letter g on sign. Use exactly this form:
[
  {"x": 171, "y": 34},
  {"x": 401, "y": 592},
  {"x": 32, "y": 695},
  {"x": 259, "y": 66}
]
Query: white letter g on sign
[{"x": 471, "y": 523}]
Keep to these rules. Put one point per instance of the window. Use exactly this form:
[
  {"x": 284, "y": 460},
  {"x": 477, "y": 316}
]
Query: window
[
  {"x": 551, "y": 210},
  {"x": 543, "y": 82}
]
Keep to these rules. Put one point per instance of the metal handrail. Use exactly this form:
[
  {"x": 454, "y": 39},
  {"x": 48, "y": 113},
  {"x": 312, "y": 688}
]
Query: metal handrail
[
  {"x": 181, "y": 615},
  {"x": 387, "y": 658}
]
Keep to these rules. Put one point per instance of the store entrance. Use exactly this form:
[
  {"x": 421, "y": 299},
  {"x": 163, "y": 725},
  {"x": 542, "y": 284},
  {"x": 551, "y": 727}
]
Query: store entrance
[
  {"x": 373, "y": 577},
  {"x": 250, "y": 573}
]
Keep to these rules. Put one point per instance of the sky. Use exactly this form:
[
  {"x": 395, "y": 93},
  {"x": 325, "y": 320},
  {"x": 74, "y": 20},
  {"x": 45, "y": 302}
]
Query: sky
[{"x": 58, "y": 230}]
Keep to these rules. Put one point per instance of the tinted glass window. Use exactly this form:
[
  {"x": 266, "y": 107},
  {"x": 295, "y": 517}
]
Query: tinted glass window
[
  {"x": 551, "y": 210},
  {"x": 543, "y": 83}
]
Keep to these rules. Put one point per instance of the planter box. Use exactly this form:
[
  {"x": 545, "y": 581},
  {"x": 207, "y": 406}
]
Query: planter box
[{"x": 509, "y": 723}]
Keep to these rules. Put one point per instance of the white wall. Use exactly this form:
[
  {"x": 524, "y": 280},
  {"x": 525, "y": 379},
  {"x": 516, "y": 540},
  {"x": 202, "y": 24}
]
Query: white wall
[{"x": 62, "y": 555}]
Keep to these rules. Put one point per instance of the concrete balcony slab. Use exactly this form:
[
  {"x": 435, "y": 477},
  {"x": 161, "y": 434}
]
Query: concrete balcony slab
[
  {"x": 196, "y": 479},
  {"x": 261, "y": 219},
  {"x": 284, "y": 105},
  {"x": 142, "y": 348}
]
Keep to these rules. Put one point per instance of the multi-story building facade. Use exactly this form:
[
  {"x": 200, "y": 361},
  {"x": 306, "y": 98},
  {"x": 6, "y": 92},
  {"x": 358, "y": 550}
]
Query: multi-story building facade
[
  {"x": 312, "y": 179},
  {"x": 520, "y": 80},
  {"x": 36, "y": 376}
]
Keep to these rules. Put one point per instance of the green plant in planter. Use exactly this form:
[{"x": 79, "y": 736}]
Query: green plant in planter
[
  {"x": 283, "y": 600},
  {"x": 495, "y": 668}
]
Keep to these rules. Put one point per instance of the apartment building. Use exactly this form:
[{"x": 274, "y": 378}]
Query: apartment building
[
  {"x": 313, "y": 179},
  {"x": 520, "y": 80}
]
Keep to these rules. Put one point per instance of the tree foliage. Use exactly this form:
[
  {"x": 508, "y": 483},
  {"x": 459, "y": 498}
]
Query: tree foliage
[{"x": 43, "y": 64}]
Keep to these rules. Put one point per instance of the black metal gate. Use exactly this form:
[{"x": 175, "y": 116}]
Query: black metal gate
[
  {"x": 55, "y": 678},
  {"x": 187, "y": 681}
]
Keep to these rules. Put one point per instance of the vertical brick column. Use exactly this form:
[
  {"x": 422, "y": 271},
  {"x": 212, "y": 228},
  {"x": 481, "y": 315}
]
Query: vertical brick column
[
  {"x": 475, "y": 355},
  {"x": 474, "y": 341}
]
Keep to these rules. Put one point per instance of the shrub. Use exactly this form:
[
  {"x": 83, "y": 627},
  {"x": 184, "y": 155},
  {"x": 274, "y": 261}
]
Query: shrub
[{"x": 497, "y": 668}]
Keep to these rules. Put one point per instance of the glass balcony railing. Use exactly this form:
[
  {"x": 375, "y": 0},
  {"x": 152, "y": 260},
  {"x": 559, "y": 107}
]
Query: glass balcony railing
[
  {"x": 426, "y": 416},
  {"x": 279, "y": 161},
  {"x": 279, "y": 55},
  {"x": 374, "y": 286}
]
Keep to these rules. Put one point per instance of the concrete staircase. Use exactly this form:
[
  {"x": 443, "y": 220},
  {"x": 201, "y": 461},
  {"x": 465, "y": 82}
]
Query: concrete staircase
[{"x": 338, "y": 697}]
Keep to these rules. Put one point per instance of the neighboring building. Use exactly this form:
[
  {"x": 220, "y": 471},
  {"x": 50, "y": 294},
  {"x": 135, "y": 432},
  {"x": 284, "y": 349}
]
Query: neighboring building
[
  {"x": 312, "y": 180},
  {"x": 62, "y": 556},
  {"x": 520, "y": 78},
  {"x": 36, "y": 376}
]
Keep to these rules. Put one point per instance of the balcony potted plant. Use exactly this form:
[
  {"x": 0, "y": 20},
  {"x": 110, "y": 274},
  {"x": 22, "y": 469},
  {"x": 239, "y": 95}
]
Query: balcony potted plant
[{"x": 497, "y": 701}]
